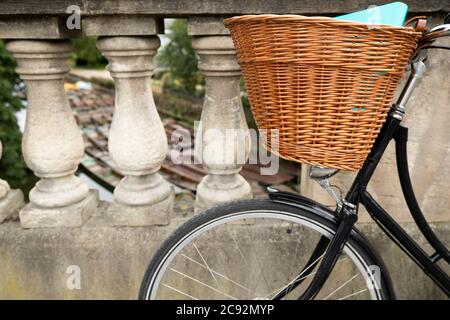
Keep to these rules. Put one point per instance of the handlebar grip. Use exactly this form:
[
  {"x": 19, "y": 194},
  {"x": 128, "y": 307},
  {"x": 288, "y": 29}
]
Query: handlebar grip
[{"x": 447, "y": 19}]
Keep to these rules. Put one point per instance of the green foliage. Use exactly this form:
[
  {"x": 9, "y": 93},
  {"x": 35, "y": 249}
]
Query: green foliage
[
  {"x": 180, "y": 59},
  {"x": 12, "y": 167},
  {"x": 86, "y": 54}
]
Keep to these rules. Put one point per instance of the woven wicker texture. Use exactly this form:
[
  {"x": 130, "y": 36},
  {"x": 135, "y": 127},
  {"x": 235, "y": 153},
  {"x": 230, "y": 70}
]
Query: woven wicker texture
[{"x": 326, "y": 85}]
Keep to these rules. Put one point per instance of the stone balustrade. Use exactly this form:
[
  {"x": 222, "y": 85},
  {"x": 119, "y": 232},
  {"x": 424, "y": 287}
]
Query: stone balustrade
[
  {"x": 223, "y": 141},
  {"x": 52, "y": 142},
  {"x": 137, "y": 141},
  {"x": 37, "y": 35}
]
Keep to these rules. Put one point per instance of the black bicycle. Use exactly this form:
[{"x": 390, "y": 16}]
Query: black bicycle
[{"x": 291, "y": 247}]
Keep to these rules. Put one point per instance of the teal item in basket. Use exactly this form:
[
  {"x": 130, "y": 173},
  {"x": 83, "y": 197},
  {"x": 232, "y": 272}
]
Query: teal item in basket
[{"x": 392, "y": 14}]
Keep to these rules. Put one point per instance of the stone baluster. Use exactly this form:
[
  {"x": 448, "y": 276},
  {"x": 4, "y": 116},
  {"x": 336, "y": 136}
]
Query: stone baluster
[
  {"x": 52, "y": 143},
  {"x": 11, "y": 200},
  {"x": 222, "y": 140},
  {"x": 137, "y": 140}
]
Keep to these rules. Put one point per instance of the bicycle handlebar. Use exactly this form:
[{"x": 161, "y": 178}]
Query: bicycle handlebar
[
  {"x": 420, "y": 54},
  {"x": 428, "y": 37},
  {"x": 442, "y": 30}
]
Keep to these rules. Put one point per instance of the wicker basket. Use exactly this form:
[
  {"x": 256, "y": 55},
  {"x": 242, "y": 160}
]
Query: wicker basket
[{"x": 323, "y": 84}]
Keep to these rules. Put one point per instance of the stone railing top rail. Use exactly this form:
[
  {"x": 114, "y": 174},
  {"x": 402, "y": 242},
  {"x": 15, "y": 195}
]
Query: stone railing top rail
[
  {"x": 179, "y": 8},
  {"x": 47, "y": 19}
]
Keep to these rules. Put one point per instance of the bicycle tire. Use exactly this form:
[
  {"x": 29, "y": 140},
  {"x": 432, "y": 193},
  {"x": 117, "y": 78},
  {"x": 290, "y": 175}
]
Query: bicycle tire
[{"x": 355, "y": 242}]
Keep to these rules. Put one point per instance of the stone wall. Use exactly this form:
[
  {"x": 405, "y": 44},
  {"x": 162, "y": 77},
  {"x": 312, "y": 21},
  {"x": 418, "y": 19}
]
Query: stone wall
[{"x": 35, "y": 264}]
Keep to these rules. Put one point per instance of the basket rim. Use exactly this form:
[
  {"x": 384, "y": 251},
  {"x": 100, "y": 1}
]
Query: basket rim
[{"x": 317, "y": 19}]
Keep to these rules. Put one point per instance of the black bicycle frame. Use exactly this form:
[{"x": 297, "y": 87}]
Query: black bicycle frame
[
  {"x": 330, "y": 249},
  {"x": 358, "y": 194}
]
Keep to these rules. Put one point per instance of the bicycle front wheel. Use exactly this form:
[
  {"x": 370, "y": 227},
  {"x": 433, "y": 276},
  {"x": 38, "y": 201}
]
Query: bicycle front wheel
[{"x": 258, "y": 249}]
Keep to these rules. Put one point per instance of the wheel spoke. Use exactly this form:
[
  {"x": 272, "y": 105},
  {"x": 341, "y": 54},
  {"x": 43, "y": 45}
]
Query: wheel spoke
[
  {"x": 246, "y": 262},
  {"x": 261, "y": 272},
  {"x": 354, "y": 294},
  {"x": 206, "y": 264},
  {"x": 342, "y": 286},
  {"x": 176, "y": 290},
  {"x": 203, "y": 284},
  {"x": 237, "y": 245},
  {"x": 218, "y": 274},
  {"x": 296, "y": 279}
]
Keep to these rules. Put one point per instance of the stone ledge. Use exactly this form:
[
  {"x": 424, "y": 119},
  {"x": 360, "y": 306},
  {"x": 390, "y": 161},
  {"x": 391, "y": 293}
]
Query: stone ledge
[
  {"x": 112, "y": 260},
  {"x": 35, "y": 28},
  {"x": 155, "y": 214},
  {"x": 28, "y": 19},
  {"x": 199, "y": 26},
  {"x": 203, "y": 7},
  {"x": 74, "y": 216},
  {"x": 123, "y": 25}
]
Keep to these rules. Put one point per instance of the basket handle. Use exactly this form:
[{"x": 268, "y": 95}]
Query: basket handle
[{"x": 420, "y": 24}]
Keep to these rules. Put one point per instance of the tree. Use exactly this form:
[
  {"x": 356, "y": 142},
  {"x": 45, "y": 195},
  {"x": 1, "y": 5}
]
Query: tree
[
  {"x": 180, "y": 59},
  {"x": 12, "y": 166},
  {"x": 86, "y": 54}
]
